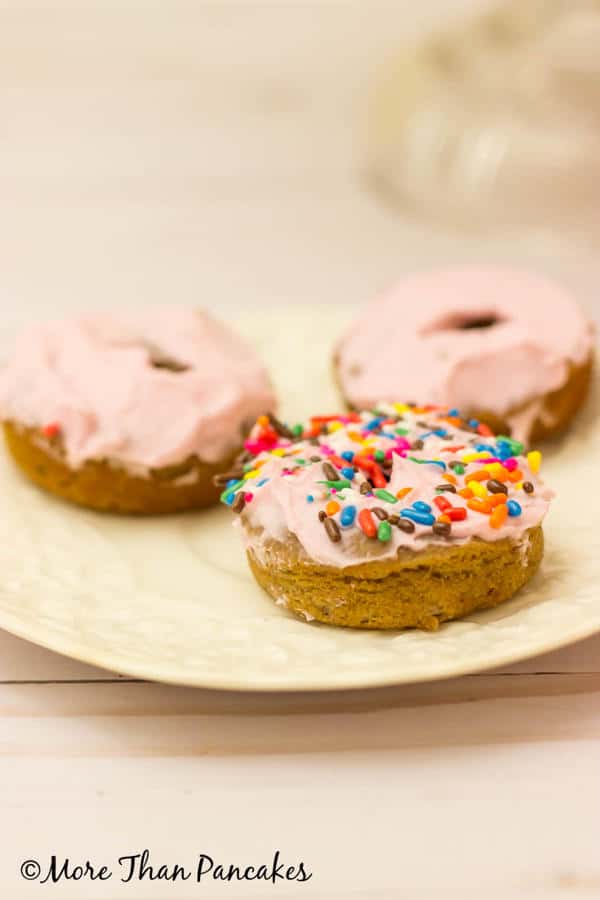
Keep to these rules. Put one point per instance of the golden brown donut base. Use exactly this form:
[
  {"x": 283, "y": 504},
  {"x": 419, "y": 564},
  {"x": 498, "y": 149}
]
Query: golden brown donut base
[
  {"x": 103, "y": 486},
  {"x": 558, "y": 410},
  {"x": 416, "y": 590}
]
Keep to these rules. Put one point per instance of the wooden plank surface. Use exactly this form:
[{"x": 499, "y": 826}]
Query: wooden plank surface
[
  {"x": 214, "y": 151},
  {"x": 152, "y": 722},
  {"x": 491, "y": 821}
]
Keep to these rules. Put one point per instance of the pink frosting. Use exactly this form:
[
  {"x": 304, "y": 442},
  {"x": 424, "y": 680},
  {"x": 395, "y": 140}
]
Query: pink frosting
[
  {"x": 101, "y": 380},
  {"x": 280, "y": 503},
  {"x": 408, "y": 343}
]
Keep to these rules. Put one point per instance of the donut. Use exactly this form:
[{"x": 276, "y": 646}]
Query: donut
[
  {"x": 131, "y": 412},
  {"x": 405, "y": 517},
  {"x": 510, "y": 348}
]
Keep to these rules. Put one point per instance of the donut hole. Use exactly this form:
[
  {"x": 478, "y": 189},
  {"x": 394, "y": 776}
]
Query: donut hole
[
  {"x": 479, "y": 322},
  {"x": 158, "y": 359},
  {"x": 467, "y": 321},
  {"x": 169, "y": 365}
]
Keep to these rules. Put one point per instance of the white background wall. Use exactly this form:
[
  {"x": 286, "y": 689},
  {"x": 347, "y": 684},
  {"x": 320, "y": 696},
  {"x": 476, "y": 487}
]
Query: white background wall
[{"x": 203, "y": 152}]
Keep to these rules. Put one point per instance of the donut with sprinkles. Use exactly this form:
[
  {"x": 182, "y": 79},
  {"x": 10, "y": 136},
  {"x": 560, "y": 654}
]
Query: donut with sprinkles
[{"x": 397, "y": 517}]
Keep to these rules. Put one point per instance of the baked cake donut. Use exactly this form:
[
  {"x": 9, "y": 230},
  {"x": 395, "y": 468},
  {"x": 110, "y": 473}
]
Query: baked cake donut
[
  {"x": 510, "y": 348},
  {"x": 131, "y": 412},
  {"x": 402, "y": 517}
]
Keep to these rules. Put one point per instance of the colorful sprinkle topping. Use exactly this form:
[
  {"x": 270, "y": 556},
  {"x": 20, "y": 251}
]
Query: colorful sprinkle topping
[{"x": 414, "y": 472}]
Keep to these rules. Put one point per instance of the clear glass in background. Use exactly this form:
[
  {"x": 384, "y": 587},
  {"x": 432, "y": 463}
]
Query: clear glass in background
[{"x": 495, "y": 125}]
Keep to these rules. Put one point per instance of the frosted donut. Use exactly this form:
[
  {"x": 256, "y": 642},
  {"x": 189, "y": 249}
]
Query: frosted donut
[
  {"x": 403, "y": 517},
  {"x": 508, "y": 347},
  {"x": 132, "y": 412}
]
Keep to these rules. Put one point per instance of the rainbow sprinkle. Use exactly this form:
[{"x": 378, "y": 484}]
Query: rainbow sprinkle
[{"x": 348, "y": 461}]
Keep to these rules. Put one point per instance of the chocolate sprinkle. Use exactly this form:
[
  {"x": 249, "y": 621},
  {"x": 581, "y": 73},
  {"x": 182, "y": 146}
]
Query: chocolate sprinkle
[
  {"x": 442, "y": 529},
  {"x": 331, "y": 474},
  {"x": 315, "y": 459},
  {"x": 418, "y": 445},
  {"x": 393, "y": 519},
  {"x": 380, "y": 513},
  {"x": 280, "y": 428},
  {"x": 496, "y": 487},
  {"x": 448, "y": 488},
  {"x": 406, "y": 525},
  {"x": 366, "y": 487},
  {"x": 528, "y": 487},
  {"x": 333, "y": 531},
  {"x": 239, "y": 502},
  {"x": 322, "y": 515}
]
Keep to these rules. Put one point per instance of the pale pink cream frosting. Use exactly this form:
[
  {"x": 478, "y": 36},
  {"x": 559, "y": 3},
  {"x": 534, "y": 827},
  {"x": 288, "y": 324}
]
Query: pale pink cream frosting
[
  {"x": 409, "y": 343},
  {"x": 102, "y": 379},
  {"x": 281, "y": 504}
]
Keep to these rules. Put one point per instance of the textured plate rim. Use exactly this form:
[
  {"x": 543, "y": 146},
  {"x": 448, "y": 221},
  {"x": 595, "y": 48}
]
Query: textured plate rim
[{"x": 142, "y": 673}]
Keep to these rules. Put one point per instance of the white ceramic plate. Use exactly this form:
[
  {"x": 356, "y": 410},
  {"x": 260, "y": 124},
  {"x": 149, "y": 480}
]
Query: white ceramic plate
[{"x": 172, "y": 599}]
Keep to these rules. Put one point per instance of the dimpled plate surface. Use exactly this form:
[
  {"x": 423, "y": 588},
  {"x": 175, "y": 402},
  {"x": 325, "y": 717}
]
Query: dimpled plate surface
[{"x": 172, "y": 599}]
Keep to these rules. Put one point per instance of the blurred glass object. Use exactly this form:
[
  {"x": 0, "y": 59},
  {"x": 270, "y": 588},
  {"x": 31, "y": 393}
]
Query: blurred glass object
[{"x": 497, "y": 124}]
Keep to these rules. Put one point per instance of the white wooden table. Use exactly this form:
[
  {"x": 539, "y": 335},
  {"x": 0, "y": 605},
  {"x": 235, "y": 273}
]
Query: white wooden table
[{"x": 211, "y": 151}]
